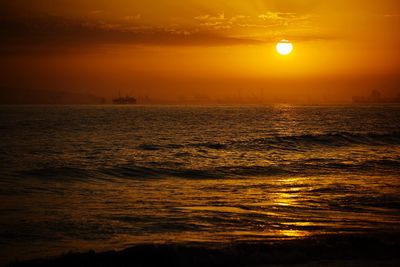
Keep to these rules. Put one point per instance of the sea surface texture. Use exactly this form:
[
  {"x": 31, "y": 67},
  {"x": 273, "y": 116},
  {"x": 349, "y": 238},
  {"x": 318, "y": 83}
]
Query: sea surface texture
[{"x": 107, "y": 177}]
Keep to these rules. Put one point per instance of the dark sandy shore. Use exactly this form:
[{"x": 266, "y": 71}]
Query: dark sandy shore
[{"x": 347, "y": 250}]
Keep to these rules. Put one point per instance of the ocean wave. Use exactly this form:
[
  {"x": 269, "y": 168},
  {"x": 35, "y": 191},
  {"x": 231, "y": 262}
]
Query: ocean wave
[
  {"x": 217, "y": 172},
  {"x": 135, "y": 171},
  {"x": 211, "y": 145},
  {"x": 206, "y": 145},
  {"x": 148, "y": 147},
  {"x": 58, "y": 172},
  {"x": 299, "y": 168},
  {"x": 329, "y": 139},
  {"x": 290, "y": 142}
]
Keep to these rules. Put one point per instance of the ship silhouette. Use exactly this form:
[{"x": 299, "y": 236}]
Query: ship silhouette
[
  {"x": 375, "y": 97},
  {"x": 126, "y": 100}
]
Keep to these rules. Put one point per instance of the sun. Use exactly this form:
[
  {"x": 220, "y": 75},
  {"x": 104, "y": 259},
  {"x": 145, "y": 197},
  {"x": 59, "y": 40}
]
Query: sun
[{"x": 284, "y": 47}]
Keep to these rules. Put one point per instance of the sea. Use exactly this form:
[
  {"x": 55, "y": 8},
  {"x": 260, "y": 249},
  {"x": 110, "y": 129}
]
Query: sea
[{"x": 75, "y": 178}]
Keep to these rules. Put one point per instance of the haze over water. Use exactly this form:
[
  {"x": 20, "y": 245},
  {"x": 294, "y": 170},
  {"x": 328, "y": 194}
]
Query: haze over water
[{"x": 106, "y": 177}]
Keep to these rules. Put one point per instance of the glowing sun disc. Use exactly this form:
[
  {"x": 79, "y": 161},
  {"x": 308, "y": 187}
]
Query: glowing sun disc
[{"x": 284, "y": 47}]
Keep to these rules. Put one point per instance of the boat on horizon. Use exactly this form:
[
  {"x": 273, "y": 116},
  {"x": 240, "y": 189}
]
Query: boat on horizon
[
  {"x": 127, "y": 100},
  {"x": 375, "y": 98}
]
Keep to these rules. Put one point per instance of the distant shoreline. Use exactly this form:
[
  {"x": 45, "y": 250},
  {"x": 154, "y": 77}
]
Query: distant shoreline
[{"x": 205, "y": 105}]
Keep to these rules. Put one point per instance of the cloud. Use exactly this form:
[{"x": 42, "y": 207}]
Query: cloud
[
  {"x": 96, "y": 12},
  {"x": 220, "y": 21},
  {"x": 23, "y": 34},
  {"x": 54, "y": 32},
  {"x": 285, "y": 19},
  {"x": 216, "y": 22},
  {"x": 219, "y": 17},
  {"x": 265, "y": 20},
  {"x": 277, "y": 16},
  {"x": 132, "y": 17},
  {"x": 392, "y": 15}
]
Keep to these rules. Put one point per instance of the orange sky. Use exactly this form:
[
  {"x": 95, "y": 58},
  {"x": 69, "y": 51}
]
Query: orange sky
[{"x": 199, "y": 49}]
